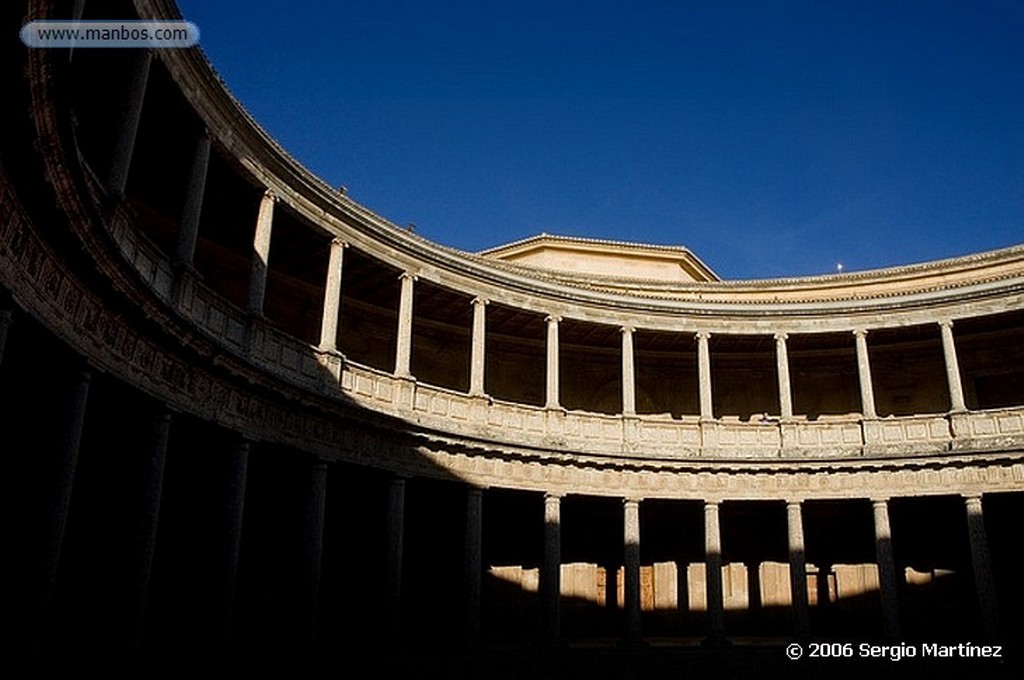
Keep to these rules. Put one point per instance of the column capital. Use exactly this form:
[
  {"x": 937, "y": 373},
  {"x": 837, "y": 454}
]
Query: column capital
[
  {"x": 632, "y": 500},
  {"x": 878, "y": 501},
  {"x": 702, "y": 335},
  {"x": 269, "y": 195},
  {"x": 553, "y": 496},
  {"x": 945, "y": 323},
  {"x": 790, "y": 502},
  {"x": 627, "y": 329},
  {"x": 408, "y": 275},
  {"x": 339, "y": 242},
  {"x": 480, "y": 301},
  {"x": 860, "y": 332},
  {"x": 972, "y": 498},
  {"x": 553, "y": 318},
  {"x": 781, "y": 337}
]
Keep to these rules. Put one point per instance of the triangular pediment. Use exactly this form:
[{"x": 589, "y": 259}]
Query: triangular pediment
[{"x": 598, "y": 257}]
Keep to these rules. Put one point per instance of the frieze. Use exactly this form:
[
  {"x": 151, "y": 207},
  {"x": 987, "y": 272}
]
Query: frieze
[{"x": 826, "y": 484}]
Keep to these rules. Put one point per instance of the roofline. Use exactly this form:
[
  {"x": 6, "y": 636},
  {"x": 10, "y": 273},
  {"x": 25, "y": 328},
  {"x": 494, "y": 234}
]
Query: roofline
[{"x": 544, "y": 237}]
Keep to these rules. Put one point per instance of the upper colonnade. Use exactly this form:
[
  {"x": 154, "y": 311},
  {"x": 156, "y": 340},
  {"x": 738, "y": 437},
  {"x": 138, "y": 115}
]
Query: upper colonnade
[{"x": 305, "y": 288}]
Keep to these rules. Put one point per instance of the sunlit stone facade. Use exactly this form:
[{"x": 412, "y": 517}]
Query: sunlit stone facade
[{"x": 235, "y": 398}]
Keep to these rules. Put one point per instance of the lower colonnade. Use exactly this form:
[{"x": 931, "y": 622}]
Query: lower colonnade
[{"x": 262, "y": 543}]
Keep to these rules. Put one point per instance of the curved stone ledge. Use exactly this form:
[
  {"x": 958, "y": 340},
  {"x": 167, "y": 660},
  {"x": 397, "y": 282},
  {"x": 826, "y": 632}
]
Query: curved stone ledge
[{"x": 737, "y": 480}]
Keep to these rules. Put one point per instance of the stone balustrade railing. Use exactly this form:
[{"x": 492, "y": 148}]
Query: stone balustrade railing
[{"x": 662, "y": 437}]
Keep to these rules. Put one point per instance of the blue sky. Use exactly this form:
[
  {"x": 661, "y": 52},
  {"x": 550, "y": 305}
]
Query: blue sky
[{"x": 771, "y": 138}]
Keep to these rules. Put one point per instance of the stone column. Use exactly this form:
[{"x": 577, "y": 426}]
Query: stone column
[
  {"x": 753, "y": 585},
  {"x": 782, "y": 362},
  {"x": 797, "y": 568},
  {"x": 683, "y": 586},
  {"x": 128, "y": 117},
  {"x": 233, "y": 510},
  {"x": 261, "y": 254},
  {"x": 67, "y": 423},
  {"x": 704, "y": 376},
  {"x": 146, "y": 516},
  {"x": 551, "y": 569},
  {"x": 867, "y": 392},
  {"x": 403, "y": 348},
  {"x": 611, "y": 586},
  {"x": 713, "y": 571},
  {"x": 956, "y": 390},
  {"x": 477, "y": 352},
  {"x": 631, "y": 588},
  {"x": 628, "y": 372},
  {"x": 824, "y": 591},
  {"x": 191, "y": 210},
  {"x": 552, "y": 400},
  {"x": 316, "y": 502},
  {"x": 886, "y": 570},
  {"x": 6, "y": 318},
  {"x": 332, "y": 297},
  {"x": 393, "y": 567},
  {"x": 984, "y": 583},
  {"x": 473, "y": 561}
]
